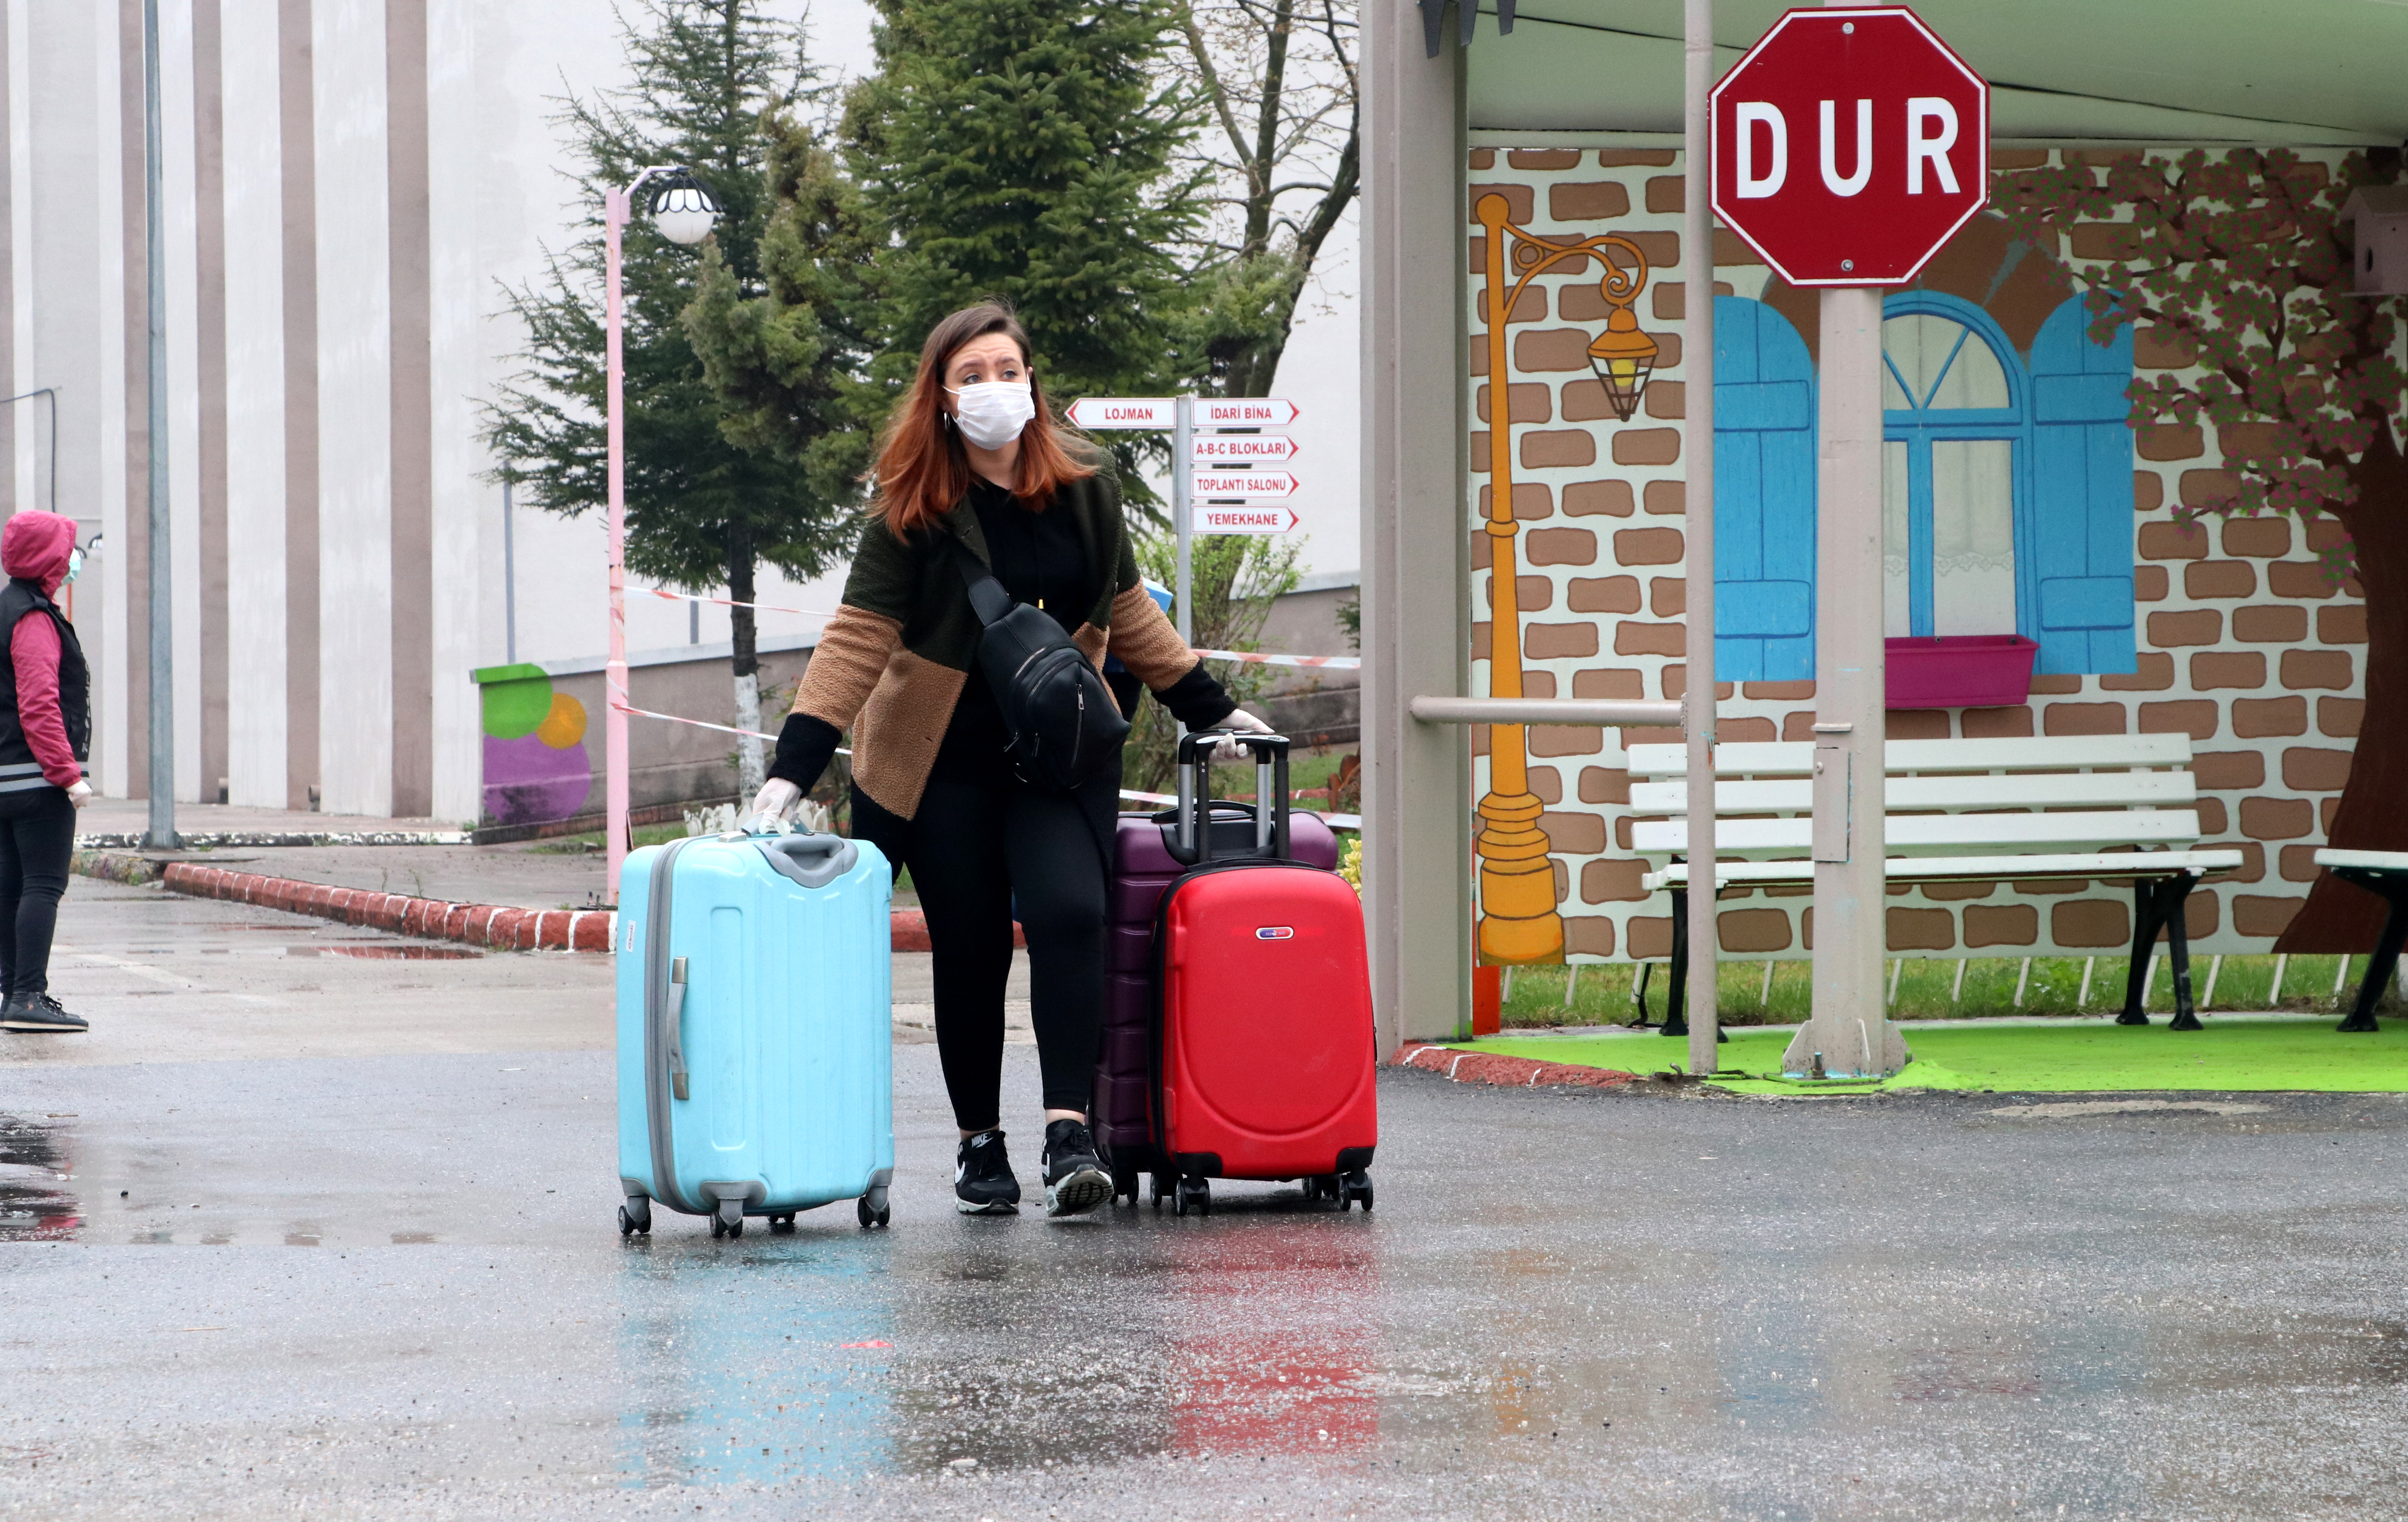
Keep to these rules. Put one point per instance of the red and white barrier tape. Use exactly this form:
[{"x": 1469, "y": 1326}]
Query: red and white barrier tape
[
  {"x": 1334, "y": 821},
  {"x": 1334, "y": 663},
  {"x": 727, "y": 602}
]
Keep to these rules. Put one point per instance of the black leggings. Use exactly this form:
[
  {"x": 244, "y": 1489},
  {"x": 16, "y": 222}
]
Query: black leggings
[
  {"x": 974, "y": 851},
  {"x": 36, "y": 838}
]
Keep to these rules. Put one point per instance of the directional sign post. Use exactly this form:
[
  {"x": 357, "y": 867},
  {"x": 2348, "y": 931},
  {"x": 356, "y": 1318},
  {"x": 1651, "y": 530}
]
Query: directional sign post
[
  {"x": 1848, "y": 145},
  {"x": 1201, "y": 465}
]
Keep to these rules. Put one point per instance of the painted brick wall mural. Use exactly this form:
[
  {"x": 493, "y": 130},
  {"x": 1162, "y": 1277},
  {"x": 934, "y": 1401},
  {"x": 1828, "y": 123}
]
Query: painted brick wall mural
[{"x": 2247, "y": 633}]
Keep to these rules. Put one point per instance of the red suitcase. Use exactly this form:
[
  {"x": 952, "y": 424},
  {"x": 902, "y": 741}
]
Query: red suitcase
[
  {"x": 1143, "y": 867},
  {"x": 1264, "y": 1059}
]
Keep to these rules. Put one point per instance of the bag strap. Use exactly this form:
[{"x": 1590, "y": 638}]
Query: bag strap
[{"x": 988, "y": 599}]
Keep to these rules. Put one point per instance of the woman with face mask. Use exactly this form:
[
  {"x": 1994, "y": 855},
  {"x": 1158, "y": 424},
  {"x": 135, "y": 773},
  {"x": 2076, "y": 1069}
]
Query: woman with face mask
[
  {"x": 45, "y": 739},
  {"x": 975, "y": 458}
]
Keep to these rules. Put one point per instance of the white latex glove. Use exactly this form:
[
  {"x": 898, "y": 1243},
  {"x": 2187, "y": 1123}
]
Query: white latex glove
[
  {"x": 80, "y": 794},
  {"x": 775, "y": 797},
  {"x": 1230, "y": 750}
]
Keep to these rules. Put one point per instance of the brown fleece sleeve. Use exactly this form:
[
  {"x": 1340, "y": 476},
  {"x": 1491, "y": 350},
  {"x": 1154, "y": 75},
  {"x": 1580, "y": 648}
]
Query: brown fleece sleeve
[
  {"x": 845, "y": 666},
  {"x": 1146, "y": 641}
]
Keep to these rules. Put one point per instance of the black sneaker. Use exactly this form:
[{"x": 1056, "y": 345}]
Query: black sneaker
[
  {"x": 40, "y": 1013},
  {"x": 1075, "y": 1179},
  {"x": 982, "y": 1181}
]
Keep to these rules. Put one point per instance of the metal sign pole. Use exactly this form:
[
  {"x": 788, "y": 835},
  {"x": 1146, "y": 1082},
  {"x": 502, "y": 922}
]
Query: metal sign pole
[
  {"x": 1697, "y": 366},
  {"x": 1183, "y": 510},
  {"x": 161, "y": 674}
]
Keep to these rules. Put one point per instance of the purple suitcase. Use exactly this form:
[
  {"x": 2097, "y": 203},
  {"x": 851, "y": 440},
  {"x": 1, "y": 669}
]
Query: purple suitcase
[{"x": 1144, "y": 866}]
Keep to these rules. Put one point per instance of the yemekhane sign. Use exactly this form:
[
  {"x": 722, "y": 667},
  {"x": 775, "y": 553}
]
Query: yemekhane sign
[
  {"x": 1848, "y": 145},
  {"x": 1216, "y": 519}
]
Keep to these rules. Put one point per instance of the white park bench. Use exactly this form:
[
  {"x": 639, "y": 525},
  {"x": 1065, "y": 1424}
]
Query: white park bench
[
  {"x": 2071, "y": 808},
  {"x": 2385, "y": 873}
]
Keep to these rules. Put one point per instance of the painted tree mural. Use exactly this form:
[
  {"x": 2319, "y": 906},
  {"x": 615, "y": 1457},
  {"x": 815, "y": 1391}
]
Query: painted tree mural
[{"x": 2237, "y": 261}]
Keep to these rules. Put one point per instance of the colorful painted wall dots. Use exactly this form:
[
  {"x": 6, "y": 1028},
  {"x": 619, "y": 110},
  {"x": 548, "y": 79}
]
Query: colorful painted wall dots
[{"x": 535, "y": 765}]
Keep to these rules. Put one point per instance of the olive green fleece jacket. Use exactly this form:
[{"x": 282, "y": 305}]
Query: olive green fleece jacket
[{"x": 891, "y": 664}]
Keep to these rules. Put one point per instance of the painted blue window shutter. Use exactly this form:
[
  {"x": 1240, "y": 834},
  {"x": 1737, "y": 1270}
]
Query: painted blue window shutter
[
  {"x": 1764, "y": 495},
  {"x": 2081, "y": 552}
]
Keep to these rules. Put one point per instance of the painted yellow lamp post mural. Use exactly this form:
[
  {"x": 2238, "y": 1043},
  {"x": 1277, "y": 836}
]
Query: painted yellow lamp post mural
[{"x": 1518, "y": 920}]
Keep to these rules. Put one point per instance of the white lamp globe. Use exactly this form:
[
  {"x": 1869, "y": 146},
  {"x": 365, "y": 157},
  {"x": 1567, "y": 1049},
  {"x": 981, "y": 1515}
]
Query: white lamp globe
[{"x": 684, "y": 211}]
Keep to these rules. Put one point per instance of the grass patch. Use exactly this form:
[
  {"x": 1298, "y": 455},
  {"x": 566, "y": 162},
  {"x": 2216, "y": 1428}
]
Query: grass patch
[
  {"x": 574, "y": 845},
  {"x": 1929, "y": 989},
  {"x": 2231, "y": 1054}
]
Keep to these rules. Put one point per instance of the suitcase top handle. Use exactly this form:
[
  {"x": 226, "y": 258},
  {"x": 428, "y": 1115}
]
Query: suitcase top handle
[
  {"x": 1191, "y": 844},
  {"x": 812, "y": 860}
]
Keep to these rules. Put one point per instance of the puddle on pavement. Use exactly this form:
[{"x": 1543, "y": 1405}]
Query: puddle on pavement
[{"x": 32, "y": 1205}]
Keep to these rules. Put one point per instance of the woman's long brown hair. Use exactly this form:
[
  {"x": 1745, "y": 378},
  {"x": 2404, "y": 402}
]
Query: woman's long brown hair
[{"x": 923, "y": 470}]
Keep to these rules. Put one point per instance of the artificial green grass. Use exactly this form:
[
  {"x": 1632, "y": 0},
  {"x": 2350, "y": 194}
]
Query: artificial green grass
[
  {"x": 2093, "y": 1056},
  {"x": 1932, "y": 988}
]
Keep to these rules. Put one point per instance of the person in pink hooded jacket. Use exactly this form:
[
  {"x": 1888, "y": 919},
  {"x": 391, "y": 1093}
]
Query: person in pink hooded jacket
[{"x": 45, "y": 739}]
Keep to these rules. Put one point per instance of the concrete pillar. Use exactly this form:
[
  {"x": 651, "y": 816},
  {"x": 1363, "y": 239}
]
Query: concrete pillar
[
  {"x": 256, "y": 444},
  {"x": 1416, "y": 598}
]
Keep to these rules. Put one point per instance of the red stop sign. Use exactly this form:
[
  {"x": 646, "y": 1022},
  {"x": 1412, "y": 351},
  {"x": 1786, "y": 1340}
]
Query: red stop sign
[{"x": 1848, "y": 146}]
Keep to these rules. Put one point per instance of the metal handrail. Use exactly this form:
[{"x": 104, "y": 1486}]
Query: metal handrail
[{"x": 1594, "y": 710}]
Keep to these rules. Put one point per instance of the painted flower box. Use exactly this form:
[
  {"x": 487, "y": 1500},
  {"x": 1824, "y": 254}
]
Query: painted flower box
[{"x": 1960, "y": 670}]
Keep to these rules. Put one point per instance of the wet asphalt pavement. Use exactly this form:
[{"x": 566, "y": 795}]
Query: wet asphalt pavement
[{"x": 304, "y": 1228}]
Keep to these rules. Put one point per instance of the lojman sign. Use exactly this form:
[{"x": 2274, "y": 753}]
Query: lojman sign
[
  {"x": 1849, "y": 145},
  {"x": 1100, "y": 412}
]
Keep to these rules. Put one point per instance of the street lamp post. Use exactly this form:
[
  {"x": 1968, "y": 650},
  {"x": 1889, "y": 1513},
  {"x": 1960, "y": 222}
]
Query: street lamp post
[
  {"x": 1518, "y": 919},
  {"x": 684, "y": 211}
]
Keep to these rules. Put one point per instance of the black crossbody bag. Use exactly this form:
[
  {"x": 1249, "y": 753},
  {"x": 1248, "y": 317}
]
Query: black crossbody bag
[{"x": 1065, "y": 726}]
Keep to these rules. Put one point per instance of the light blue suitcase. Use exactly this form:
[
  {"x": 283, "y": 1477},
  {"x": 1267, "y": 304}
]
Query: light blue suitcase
[{"x": 755, "y": 1038}]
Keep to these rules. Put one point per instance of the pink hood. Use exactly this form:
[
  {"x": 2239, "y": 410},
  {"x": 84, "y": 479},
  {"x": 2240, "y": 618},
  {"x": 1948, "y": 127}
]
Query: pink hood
[{"x": 34, "y": 547}]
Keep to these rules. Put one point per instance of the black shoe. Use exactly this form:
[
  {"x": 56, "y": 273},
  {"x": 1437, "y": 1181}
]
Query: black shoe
[
  {"x": 40, "y": 1013},
  {"x": 1075, "y": 1179},
  {"x": 982, "y": 1181}
]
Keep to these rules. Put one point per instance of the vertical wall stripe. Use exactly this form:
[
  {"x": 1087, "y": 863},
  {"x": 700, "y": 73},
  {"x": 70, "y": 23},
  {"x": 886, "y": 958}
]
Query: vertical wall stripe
[
  {"x": 209, "y": 342},
  {"x": 463, "y": 504},
  {"x": 297, "y": 94},
  {"x": 256, "y": 377},
  {"x": 179, "y": 210},
  {"x": 8, "y": 49},
  {"x": 22, "y": 463},
  {"x": 355, "y": 358},
  {"x": 120, "y": 744},
  {"x": 412, "y": 505}
]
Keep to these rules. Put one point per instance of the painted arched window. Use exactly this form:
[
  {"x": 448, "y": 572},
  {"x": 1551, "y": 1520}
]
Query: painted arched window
[
  {"x": 2007, "y": 485},
  {"x": 1954, "y": 414}
]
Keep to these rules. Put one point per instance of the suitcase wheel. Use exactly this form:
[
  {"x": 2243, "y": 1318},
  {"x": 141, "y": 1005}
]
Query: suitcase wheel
[
  {"x": 872, "y": 1208},
  {"x": 1124, "y": 1184},
  {"x": 1192, "y": 1195},
  {"x": 636, "y": 1215},
  {"x": 782, "y": 1223},
  {"x": 1321, "y": 1186},
  {"x": 728, "y": 1219},
  {"x": 1355, "y": 1186},
  {"x": 1161, "y": 1187}
]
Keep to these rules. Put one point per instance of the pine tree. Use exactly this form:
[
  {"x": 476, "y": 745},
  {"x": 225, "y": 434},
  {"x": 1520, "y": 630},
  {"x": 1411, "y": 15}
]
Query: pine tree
[
  {"x": 702, "y": 511},
  {"x": 1025, "y": 149},
  {"x": 786, "y": 364}
]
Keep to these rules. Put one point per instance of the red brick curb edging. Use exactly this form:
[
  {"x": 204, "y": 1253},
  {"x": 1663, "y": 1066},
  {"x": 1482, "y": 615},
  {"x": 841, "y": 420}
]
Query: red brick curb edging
[
  {"x": 496, "y": 925},
  {"x": 1517, "y": 1072},
  {"x": 477, "y": 925}
]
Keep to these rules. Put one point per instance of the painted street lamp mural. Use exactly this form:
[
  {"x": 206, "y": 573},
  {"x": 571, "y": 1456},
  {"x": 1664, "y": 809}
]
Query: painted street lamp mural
[{"x": 1518, "y": 920}]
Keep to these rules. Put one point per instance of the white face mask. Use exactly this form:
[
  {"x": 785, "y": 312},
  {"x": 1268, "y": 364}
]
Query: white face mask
[{"x": 993, "y": 412}]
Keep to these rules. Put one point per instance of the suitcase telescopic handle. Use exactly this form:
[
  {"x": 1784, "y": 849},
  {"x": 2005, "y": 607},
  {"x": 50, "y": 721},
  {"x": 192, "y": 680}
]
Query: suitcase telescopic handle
[
  {"x": 1192, "y": 845},
  {"x": 677, "y": 1029}
]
